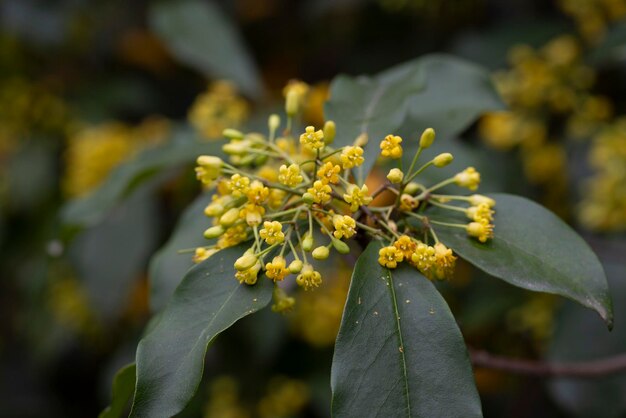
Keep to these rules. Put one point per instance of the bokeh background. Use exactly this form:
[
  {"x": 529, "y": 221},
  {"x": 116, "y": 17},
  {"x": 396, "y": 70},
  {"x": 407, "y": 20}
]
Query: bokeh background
[{"x": 105, "y": 104}]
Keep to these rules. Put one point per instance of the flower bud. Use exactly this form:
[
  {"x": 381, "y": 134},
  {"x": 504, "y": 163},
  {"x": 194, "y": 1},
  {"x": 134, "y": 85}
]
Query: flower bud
[
  {"x": 308, "y": 198},
  {"x": 214, "y": 209},
  {"x": 361, "y": 140},
  {"x": 209, "y": 162},
  {"x": 232, "y": 133},
  {"x": 253, "y": 218},
  {"x": 295, "y": 266},
  {"x": 213, "y": 232},
  {"x": 260, "y": 159},
  {"x": 230, "y": 217},
  {"x": 340, "y": 246},
  {"x": 395, "y": 176},
  {"x": 273, "y": 122},
  {"x": 246, "y": 261},
  {"x": 477, "y": 199},
  {"x": 320, "y": 253},
  {"x": 291, "y": 103},
  {"x": 412, "y": 188},
  {"x": 307, "y": 242},
  {"x": 236, "y": 147},
  {"x": 443, "y": 160},
  {"x": 329, "y": 132},
  {"x": 427, "y": 138}
]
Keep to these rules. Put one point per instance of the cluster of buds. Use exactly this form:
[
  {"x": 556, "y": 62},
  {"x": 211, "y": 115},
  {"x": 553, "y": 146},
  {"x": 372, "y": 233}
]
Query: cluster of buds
[{"x": 296, "y": 198}]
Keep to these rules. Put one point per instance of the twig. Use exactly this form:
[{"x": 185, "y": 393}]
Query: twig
[{"x": 586, "y": 369}]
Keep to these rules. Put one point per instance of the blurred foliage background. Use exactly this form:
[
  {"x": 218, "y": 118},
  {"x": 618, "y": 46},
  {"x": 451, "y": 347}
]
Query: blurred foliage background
[{"x": 105, "y": 105}]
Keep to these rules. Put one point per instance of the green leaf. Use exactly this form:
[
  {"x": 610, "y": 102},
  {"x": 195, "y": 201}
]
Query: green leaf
[
  {"x": 602, "y": 396},
  {"x": 180, "y": 150},
  {"x": 437, "y": 91},
  {"x": 122, "y": 392},
  {"x": 612, "y": 47},
  {"x": 168, "y": 267},
  {"x": 399, "y": 352},
  {"x": 535, "y": 250},
  {"x": 201, "y": 36},
  {"x": 170, "y": 358}
]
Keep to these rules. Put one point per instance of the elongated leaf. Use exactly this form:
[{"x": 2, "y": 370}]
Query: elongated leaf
[
  {"x": 399, "y": 352},
  {"x": 200, "y": 35},
  {"x": 168, "y": 266},
  {"x": 91, "y": 208},
  {"x": 437, "y": 91},
  {"x": 170, "y": 358},
  {"x": 122, "y": 392},
  {"x": 535, "y": 250}
]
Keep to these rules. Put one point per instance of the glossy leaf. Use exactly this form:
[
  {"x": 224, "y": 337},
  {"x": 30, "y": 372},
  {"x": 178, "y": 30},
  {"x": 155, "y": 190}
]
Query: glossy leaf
[
  {"x": 168, "y": 266},
  {"x": 437, "y": 91},
  {"x": 601, "y": 396},
  {"x": 170, "y": 358},
  {"x": 399, "y": 352},
  {"x": 198, "y": 34},
  {"x": 92, "y": 208},
  {"x": 535, "y": 250},
  {"x": 122, "y": 392}
]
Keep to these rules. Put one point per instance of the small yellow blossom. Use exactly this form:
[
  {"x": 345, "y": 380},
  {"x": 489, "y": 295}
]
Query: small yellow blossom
[
  {"x": 395, "y": 176},
  {"x": 329, "y": 173},
  {"x": 276, "y": 198},
  {"x": 351, "y": 156},
  {"x": 239, "y": 185},
  {"x": 345, "y": 226},
  {"x": 390, "y": 146},
  {"x": 444, "y": 263},
  {"x": 250, "y": 275},
  {"x": 208, "y": 169},
  {"x": 272, "y": 232},
  {"x": 312, "y": 138},
  {"x": 232, "y": 236},
  {"x": 268, "y": 173},
  {"x": 406, "y": 246},
  {"x": 481, "y": 230},
  {"x": 423, "y": 257},
  {"x": 257, "y": 193},
  {"x": 481, "y": 212},
  {"x": 277, "y": 269},
  {"x": 253, "y": 214},
  {"x": 203, "y": 253},
  {"x": 282, "y": 302},
  {"x": 357, "y": 197},
  {"x": 320, "y": 192},
  {"x": 469, "y": 178},
  {"x": 309, "y": 278},
  {"x": 390, "y": 257},
  {"x": 289, "y": 176}
]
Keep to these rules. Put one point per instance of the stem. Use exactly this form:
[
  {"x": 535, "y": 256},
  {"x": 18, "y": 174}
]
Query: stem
[
  {"x": 415, "y": 157},
  {"x": 422, "y": 168},
  {"x": 451, "y": 207}
]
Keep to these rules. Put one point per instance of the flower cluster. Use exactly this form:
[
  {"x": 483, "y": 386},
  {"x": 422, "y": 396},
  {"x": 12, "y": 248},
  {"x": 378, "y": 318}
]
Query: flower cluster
[
  {"x": 218, "y": 108},
  {"x": 297, "y": 199}
]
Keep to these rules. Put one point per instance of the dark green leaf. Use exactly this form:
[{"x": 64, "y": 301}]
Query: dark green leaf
[
  {"x": 168, "y": 266},
  {"x": 180, "y": 150},
  {"x": 200, "y": 35},
  {"x": 612, "y": 47},
  {"x": 535, "y": 250},
  {"x": 399, "y": 352},
  {"x": 437, "y": 91},
  {"x": 122, "y": 392},
  {"x": 579, "y": 337},
  {"x": 170, "y": 357}
]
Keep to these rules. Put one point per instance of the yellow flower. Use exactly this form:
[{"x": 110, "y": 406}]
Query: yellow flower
[
  {"x": 406, "y": 246},
  {"x": 268, "y": 173},
  {"x": 395, "y": 176},
  {"x": 345, "y": 226},
  {"x": 320, "y": 192},
  {"x": 257, "y": 193},
  {"x": 390, "y": 257},
  {"x": 469, "y": 178},
  {"x": 351, "y": 156},
  {"x": 249, "y": 276},
  {"x": 203, "y": 253},
  {"x": 390, "y": 146},
  {"x": 309, "y": 278},
  {"x": 481, "y": 230},
  {"x": 253, "y": 214},
  {"x": 276, "y": 198},
  {"x": 220, "y": 107},
  {"x": 423, "y": 257},
  {"x": 277, "y": 269},
  {"x": 357, "y": 197},
  {"x": 208, "y": 169},
  {"x": 282, "y": 302},
  {"x": 444, "y": 263},
  {"x": 481, "y": 212},
  {"x": 329, "y": 173},
  {"x": 289, "y": 176},
  {"x": 312, "y": 138},
  {"x": 232, "y": 236},
  {"x": 239, "y": 185},
  {"x": 272, "y": 232}
]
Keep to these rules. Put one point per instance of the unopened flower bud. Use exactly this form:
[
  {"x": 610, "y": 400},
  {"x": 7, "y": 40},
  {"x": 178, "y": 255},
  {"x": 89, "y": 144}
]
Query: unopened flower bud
[
  {"x": 340, "y": 246},
  {"x": 292, "y": 102},
  {"x": 236, "y": 147},
  {"x": 329, "y": 132},
  {"x": 308, "y": 198},
  {"x": 230, "y": 217},
  {"x": 395, "y": 176},
  {"x": 246, "y": 261},
  {"x": 443, "y": 160},
  {"x": 412, "y": 188},
  {"x": 477, "y": 199},
  {"x": 307, "y": 242},
  {"x": 320, "y": 253},
  {"x": 427, "y": 138},
  {"x": 209, "y": 162},
  {"x": 232, "y": 133},
  {"x": 273, "y": 122},
  {"x": 214, "y": 232},
  {"x": 214, "y": 209},
  {"x": 295, "y": 266},
  {"x": 361, "y": 140}
]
